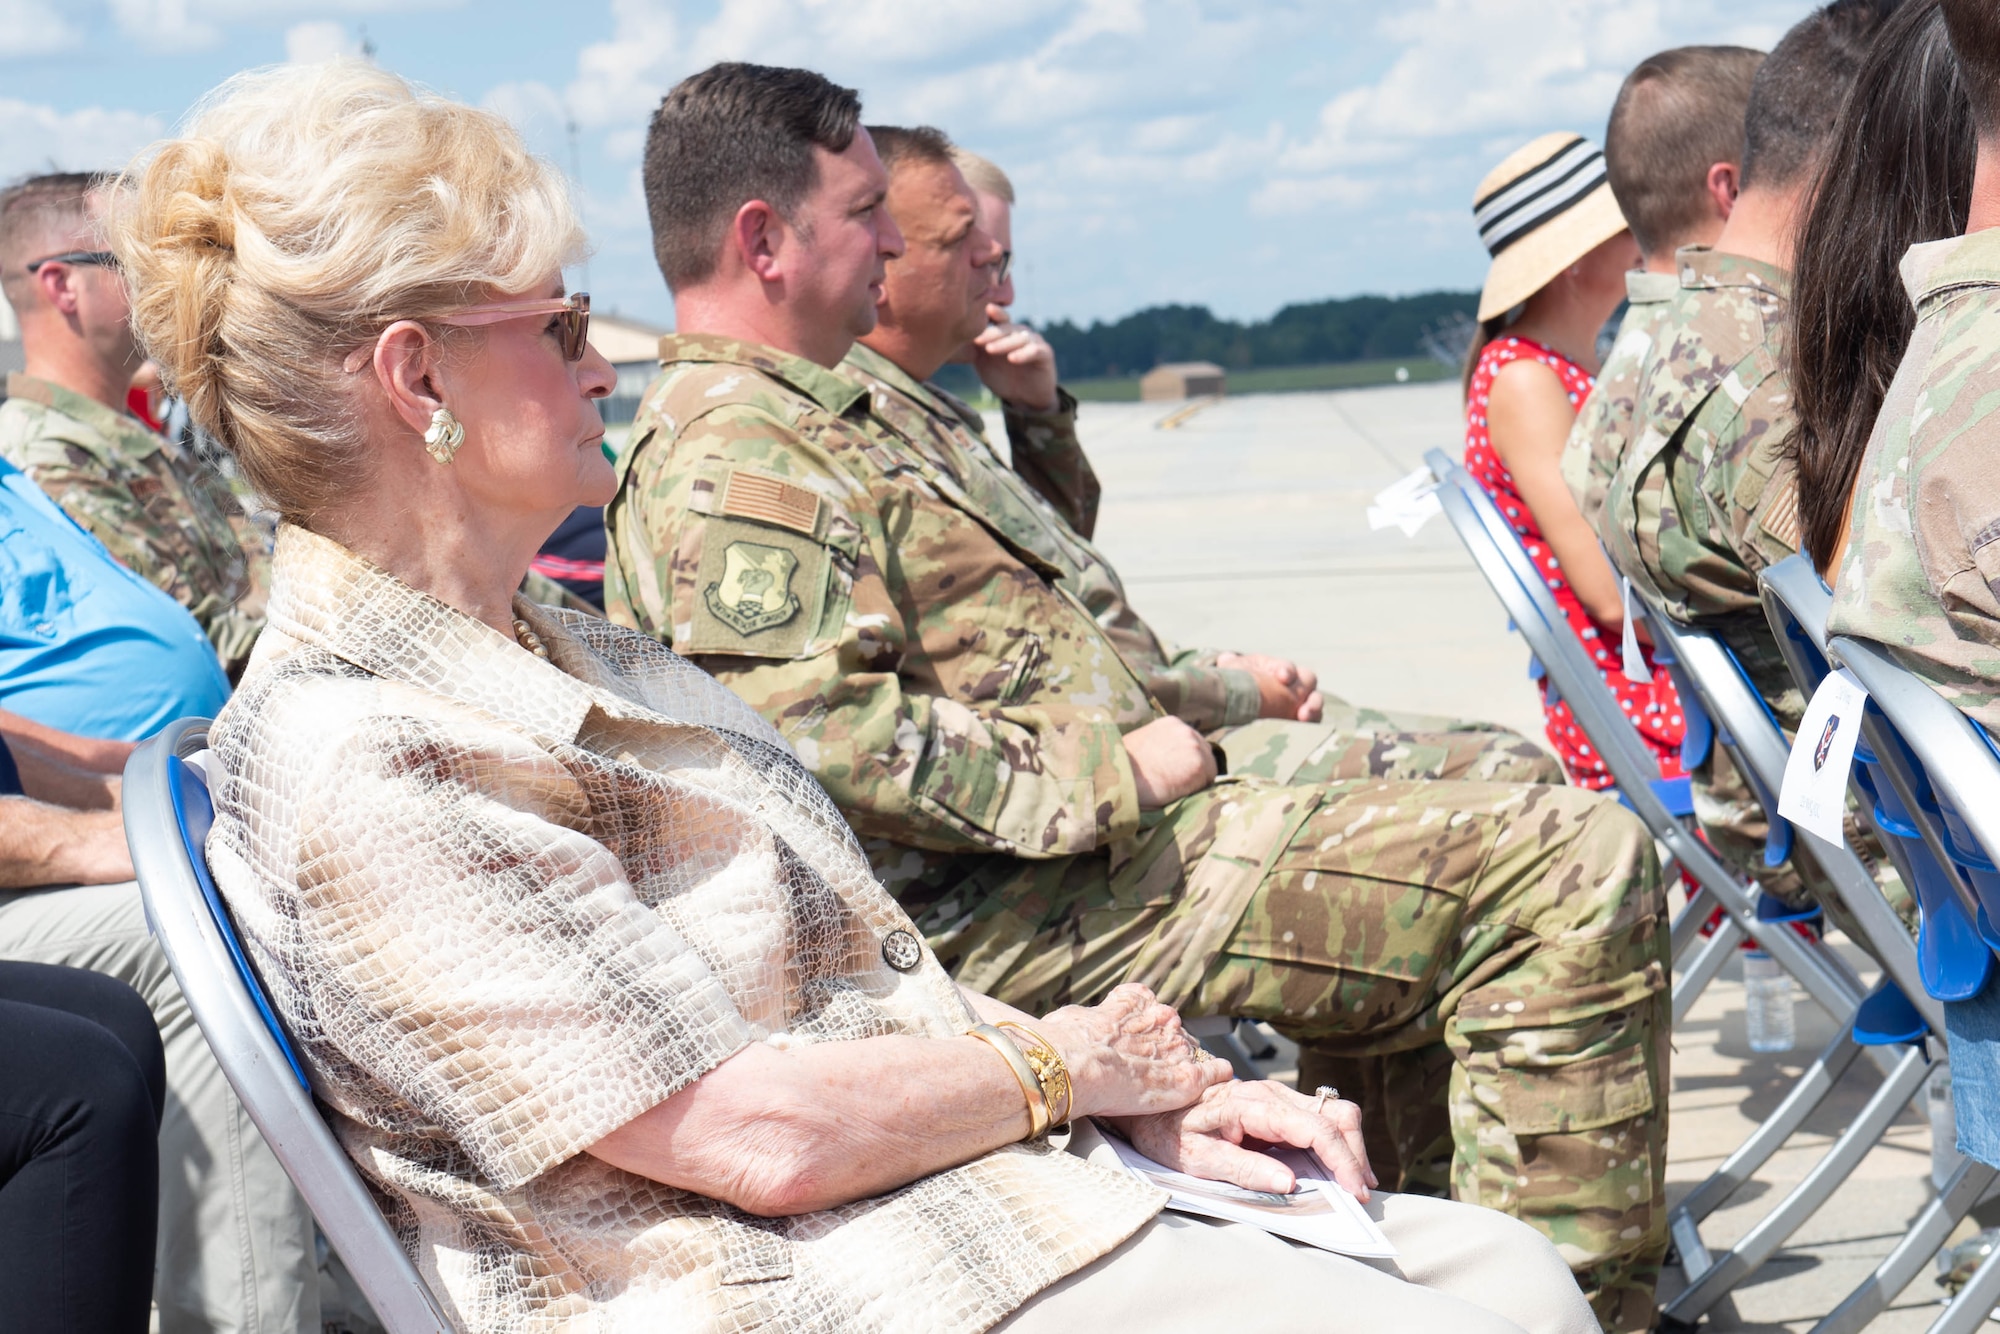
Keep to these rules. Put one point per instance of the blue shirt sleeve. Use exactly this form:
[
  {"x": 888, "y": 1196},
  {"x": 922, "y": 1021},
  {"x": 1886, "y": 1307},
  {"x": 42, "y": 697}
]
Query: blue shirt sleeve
[{"x": 86, "y": 646}]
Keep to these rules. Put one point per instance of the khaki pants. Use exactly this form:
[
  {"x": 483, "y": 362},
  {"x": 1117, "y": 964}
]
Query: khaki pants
[
  {"x": 236, "y": 1241},
  {"x": 1460, "y": 1270}
]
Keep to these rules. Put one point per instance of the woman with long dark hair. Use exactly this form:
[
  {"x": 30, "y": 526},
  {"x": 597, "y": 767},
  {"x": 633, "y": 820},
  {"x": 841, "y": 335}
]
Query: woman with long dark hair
[{"x": 1898, "y": 173}]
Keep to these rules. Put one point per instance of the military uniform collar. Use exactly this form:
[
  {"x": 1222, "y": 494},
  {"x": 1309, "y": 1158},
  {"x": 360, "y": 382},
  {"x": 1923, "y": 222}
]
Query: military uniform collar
[
  {"x": 1933, "y": 267},
  {"x": 1643, "y": 287},
  {"x": 866, "y": 361},
  {"x": 1703, "y": 267},
  {"x": 133, "y": 437},
  {"x": 337, "y": 600},
  {"x": 829, "y": 389}
]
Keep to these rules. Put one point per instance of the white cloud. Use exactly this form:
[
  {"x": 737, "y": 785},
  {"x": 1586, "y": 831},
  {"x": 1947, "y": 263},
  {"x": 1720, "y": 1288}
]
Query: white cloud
[
  {"x": 182, "y": 25},
  {"x": 170, "y": 25},
  {"x": 36, "y": 138},
  {"x": 962, "y": 62},
  {"x": 320, "y": 39},
  {"x": 34, "y": 28}
]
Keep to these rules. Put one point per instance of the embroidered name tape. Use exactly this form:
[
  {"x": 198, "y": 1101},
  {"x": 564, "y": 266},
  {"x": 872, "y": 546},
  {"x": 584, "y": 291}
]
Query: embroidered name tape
[
  {"x": 1814, "y": 795},
  {"x": 772, "y": 500}
]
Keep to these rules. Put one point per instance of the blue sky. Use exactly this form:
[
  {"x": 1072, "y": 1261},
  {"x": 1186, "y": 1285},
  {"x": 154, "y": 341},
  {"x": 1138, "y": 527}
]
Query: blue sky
[{"x": 1239, "y": 155}]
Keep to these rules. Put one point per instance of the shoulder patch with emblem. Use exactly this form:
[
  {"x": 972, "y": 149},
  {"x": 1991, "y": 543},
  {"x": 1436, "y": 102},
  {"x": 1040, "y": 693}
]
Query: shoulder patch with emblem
[
  {"x": 755, "y": 590},
  {"x": 758, "y": 592}
]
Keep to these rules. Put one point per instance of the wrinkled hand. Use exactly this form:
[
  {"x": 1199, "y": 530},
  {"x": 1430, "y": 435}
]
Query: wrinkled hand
[
  {"x": 1284, "y": 689},
  {"x": 1016, "y": 363},
  {"x": 1129, "y": 1056},
  {"x": 1170, "y": 760},
  {"x": 1207, "y": 1139}
]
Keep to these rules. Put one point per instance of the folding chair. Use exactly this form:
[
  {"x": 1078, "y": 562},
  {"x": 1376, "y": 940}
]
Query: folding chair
[
  {"x": 167, "y": 819},
  {"x": 1497, "y": 551},
  {"x": 1953, "y": 963},
  {"x": 1943, "y": 779},
  {"x": 1723, "y": 708}
]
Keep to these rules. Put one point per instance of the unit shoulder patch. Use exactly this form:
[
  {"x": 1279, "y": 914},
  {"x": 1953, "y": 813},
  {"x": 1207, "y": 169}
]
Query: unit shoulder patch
[{"x": 758, "y": 592}]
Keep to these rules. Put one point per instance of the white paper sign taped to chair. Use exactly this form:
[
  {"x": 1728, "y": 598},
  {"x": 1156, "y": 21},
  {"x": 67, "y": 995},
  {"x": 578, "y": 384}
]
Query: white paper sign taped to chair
[
  {"x": 1814, "y": 796},
  {"x": 1408, "y": 504},
  {"x": 1634, "y": 661}
]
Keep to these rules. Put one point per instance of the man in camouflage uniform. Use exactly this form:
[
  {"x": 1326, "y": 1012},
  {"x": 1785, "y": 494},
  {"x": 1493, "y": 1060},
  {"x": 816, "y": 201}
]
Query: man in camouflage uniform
[
  {"x": 1921, "y": 570},
  {"x": 1249, "y": 706},
  {"x": 155, "y": 507},
  {"x": 1048, "y": 826},
  {"x": 1264, "y": 712},
  {"x": 1671, "y": 152},
  {"x": 1706, "y": 495}
]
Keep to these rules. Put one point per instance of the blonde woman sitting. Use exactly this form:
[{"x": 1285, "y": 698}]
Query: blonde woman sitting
[{"x": 592, "y": 979}]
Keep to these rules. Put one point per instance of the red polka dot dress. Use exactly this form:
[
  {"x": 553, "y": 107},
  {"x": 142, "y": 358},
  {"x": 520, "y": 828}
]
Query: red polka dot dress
[{"x": 1653, "y": 708}]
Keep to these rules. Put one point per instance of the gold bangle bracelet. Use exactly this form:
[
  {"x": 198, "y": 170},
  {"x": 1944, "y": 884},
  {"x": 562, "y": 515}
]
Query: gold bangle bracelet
[
  {"x": 1024, "y": 1074},
  {"x": 1051, "y": 1072}
]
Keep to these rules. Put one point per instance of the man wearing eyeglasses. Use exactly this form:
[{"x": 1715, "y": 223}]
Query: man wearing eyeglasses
[{"x": 157, "y": 508}]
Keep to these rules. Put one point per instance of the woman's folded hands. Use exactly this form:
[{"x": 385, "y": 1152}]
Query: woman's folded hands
[{"x": 1132, "y": 1063}]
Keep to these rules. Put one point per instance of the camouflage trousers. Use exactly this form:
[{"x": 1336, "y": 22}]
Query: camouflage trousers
[
  {"x": 1404, "y": 1096},
  {"x": 1354, "y": 742},
  {"x": 1510, "y": 936}
]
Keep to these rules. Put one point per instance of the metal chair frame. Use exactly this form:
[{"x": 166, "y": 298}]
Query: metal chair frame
[
  {"x": 166, "y": 820},
  {"x": 1797, "y": 604},
  {"x": 1497, "y": 552},
  {"x": 1946, "y": 754},
  {"x": 1712, "y": 681}
]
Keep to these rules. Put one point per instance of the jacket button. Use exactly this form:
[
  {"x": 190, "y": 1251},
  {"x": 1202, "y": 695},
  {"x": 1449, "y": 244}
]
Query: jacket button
[{"x": 902, "y": 951}]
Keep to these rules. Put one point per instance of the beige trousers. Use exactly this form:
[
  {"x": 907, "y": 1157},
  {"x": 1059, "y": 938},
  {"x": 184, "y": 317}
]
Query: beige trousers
[
  {"x": 1460, "y": 1270},
  {"x": 236, "y": 1240}
]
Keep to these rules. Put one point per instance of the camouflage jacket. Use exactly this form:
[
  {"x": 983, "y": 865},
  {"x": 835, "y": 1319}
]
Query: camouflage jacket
[
  {"x": 1922, "y": 569},
  {"x": 1185, "y": 683},
  {"x": 156, "y": 509},
  {"x": 1048, "y": 454},
  {"x": 933, "y": 671},
  {"x": 1705, "y": 497},
  {"x": 1604, "y": 426}
]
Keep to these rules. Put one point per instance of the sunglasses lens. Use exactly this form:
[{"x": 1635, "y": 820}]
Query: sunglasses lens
[{"x": 576, "y": 333}]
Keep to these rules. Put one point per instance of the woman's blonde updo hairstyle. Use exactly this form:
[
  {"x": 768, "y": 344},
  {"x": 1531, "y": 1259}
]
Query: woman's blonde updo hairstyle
[{"x": 302, "y": 211}]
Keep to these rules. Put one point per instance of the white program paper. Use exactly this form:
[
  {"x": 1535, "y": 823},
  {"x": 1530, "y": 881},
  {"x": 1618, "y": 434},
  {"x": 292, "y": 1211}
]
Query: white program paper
[
  {"x": 1319, "y": 1213},
  {"x": 1814, "y": 795}
]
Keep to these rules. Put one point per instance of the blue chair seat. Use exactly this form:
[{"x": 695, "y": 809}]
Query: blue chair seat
[
  {"x": 1676, "y": 794},
  {"x": 1886, "y": 1018}
]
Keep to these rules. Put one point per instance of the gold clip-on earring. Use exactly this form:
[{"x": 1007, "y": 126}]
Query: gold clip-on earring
[{"x": 445, "y": 435}]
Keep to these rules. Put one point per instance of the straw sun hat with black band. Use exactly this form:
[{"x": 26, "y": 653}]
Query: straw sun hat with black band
[{"x": 1540, "y": 211}]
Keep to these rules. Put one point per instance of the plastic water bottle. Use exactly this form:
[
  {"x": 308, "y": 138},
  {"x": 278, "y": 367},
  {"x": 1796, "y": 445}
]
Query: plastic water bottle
[{"x": 1768, "y": 993}]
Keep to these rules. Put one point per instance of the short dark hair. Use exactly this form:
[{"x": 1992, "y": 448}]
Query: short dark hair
[
  {"x": 730, "y": 134},
  {"x": 1974, "y": 26},
  {"x": 1798, "y": 91},
  {"x": 921, "y": 143},
  {"x": 28, "y": 203},
  {"x": 1678, "y": 114}
]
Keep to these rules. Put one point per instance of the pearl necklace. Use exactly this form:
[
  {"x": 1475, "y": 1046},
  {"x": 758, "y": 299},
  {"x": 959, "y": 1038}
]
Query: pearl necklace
[{"x": 530, "y": 640}]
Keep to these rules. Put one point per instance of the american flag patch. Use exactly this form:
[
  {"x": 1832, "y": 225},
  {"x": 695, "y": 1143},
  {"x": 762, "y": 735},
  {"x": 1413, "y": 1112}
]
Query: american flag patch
[
  {"x": 1781, "y": 518},
  {"x": 750, "y": 495}
]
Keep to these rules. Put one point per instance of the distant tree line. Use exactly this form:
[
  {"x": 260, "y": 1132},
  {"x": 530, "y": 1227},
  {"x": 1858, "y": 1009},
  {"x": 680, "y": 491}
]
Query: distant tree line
[{"x": 1360, "y": 328}]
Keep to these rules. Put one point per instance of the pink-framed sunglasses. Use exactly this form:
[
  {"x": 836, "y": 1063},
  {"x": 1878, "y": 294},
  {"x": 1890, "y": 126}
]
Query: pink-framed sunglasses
[{"x": 573, "y": 312}]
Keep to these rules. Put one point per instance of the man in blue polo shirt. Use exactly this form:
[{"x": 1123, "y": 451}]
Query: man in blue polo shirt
[
  {"x": 86, "y": 646},
  {"x": 92, "y": 659}
]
